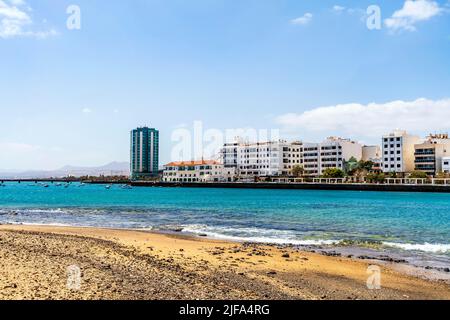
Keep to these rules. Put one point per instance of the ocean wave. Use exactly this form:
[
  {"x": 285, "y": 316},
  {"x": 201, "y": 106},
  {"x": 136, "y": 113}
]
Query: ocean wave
[
  {"x": 282, "y": 237},
  {"x": 425, "y": 247},
  {"x": 285, "y": 237}
]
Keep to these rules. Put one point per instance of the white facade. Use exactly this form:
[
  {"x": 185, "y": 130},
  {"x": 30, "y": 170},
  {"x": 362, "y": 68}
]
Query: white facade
[
  {"x": 261, "y": 159},
  {"x": 446, "y": 164},
  {"x": 335, "y": 151},
  {"x": 429, "y": 154},
  {"x": 311, "y": 159},
  {"x": 398, "y": 152},
  {"x": 292, "y": 157},
  {"x": 198, "y": 171},
  {"x": 271, "y": 159},
  {"x": 274, "y": 158},
  {"x": 229, "y": 154}
]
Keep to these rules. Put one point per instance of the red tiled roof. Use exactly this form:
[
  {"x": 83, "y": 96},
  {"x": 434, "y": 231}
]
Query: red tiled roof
[{"x": 192, "y": 163}]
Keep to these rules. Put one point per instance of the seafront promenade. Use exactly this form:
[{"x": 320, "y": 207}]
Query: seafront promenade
[
  {"x": 390, "y": 185},
  {"x": 441, "y": 188}
]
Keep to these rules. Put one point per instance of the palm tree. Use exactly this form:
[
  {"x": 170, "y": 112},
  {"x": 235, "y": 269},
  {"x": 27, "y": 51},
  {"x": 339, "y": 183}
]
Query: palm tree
[{"x": 298, "y": 171}]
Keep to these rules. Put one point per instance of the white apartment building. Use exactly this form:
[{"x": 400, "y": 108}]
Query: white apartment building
[
  {"x": 229, "y": 154},
  {"x": 430, "y": 153},
  {"x": 335, "y": 151},
  {"x": 292, "y": 156},
  {"x": 198, "y": 171},
  {"x": 311, "y": 159},
  {"x": 262, "y": 159},
  {"x": 446, "y": 164},
  {"x": 398, "y": 152},
  {"x": 278, "y": 158}
]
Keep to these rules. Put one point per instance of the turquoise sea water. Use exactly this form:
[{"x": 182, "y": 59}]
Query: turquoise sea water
[{"x": 410, "y": 221}]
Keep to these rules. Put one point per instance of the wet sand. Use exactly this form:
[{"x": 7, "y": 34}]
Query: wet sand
[{"x": 121, "y": 264}]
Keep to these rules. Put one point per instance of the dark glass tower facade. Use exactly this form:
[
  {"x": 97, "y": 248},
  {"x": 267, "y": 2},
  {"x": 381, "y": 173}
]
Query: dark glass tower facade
[{"x": 144, "y": 152}]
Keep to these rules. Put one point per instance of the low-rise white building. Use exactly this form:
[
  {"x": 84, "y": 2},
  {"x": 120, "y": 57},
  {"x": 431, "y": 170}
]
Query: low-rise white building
[
  {"x": 311, "y": 159},
  {"x": 446, "y": 164},
  {"x": 335, "y": 151},
  {"x": 398, "y": 152},
  {"x": 198, "y": 171},
  {"x": 429, "y": 154},
  {"x": 262, "y": 159},
  {"x": 279, "y": 158}
]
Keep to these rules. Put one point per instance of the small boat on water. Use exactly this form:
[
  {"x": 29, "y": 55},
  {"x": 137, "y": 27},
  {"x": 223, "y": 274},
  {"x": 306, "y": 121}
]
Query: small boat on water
[
  {"x": 127, "y": 187},
  {"x": 108, "y": 187}
]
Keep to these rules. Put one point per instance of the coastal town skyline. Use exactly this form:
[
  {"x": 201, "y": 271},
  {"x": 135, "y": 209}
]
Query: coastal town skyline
[{"x": 310, "y": 70}]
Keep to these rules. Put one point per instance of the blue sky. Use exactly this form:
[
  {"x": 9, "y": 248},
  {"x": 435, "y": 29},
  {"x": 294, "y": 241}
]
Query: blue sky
[{"x": 309, "y": 68}]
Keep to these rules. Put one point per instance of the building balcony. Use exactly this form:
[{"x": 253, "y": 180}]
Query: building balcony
[{"x": 420, "y": 153}]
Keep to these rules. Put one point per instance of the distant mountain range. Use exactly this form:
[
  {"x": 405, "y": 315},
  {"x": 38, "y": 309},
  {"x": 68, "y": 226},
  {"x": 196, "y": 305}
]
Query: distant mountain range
[{"x": 110, "y": 169}]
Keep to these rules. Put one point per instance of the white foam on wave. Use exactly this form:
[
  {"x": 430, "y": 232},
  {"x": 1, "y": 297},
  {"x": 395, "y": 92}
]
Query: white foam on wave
[
  {"x": 426, "y": 247},
  {"x": 288, "y": 237},
  {"x": 55, "y": 224},
  {"x": 254, "y": 235}
]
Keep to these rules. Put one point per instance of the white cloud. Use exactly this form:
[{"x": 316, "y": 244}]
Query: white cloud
[
  {"x": 413, "y": 11},
  {"x": 338, "y": 8},
  {"x": 303, "y": 20},
  {"x": 371, "y": 121},
  {"x": 15, "y": 21},
  {"x": 86, "y": 110}
]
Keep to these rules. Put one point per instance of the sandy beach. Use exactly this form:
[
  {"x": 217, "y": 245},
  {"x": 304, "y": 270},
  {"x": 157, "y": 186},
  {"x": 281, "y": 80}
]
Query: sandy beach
[{"x": 122, "y": 264}]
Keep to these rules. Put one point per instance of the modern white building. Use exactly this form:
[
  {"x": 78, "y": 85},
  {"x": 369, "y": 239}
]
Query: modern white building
[
  {"x": 311, "y": 159},
  {"x": 262, "y": 159},
  {"x": 279, "y": 158},
  {"x": 198, "y": 171},
  {"x": 334, "y": 151},
  {"x": 430, "y": 153},
  {"x": 398, "y": 152},
  {"x": 229, "y": 154}
]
